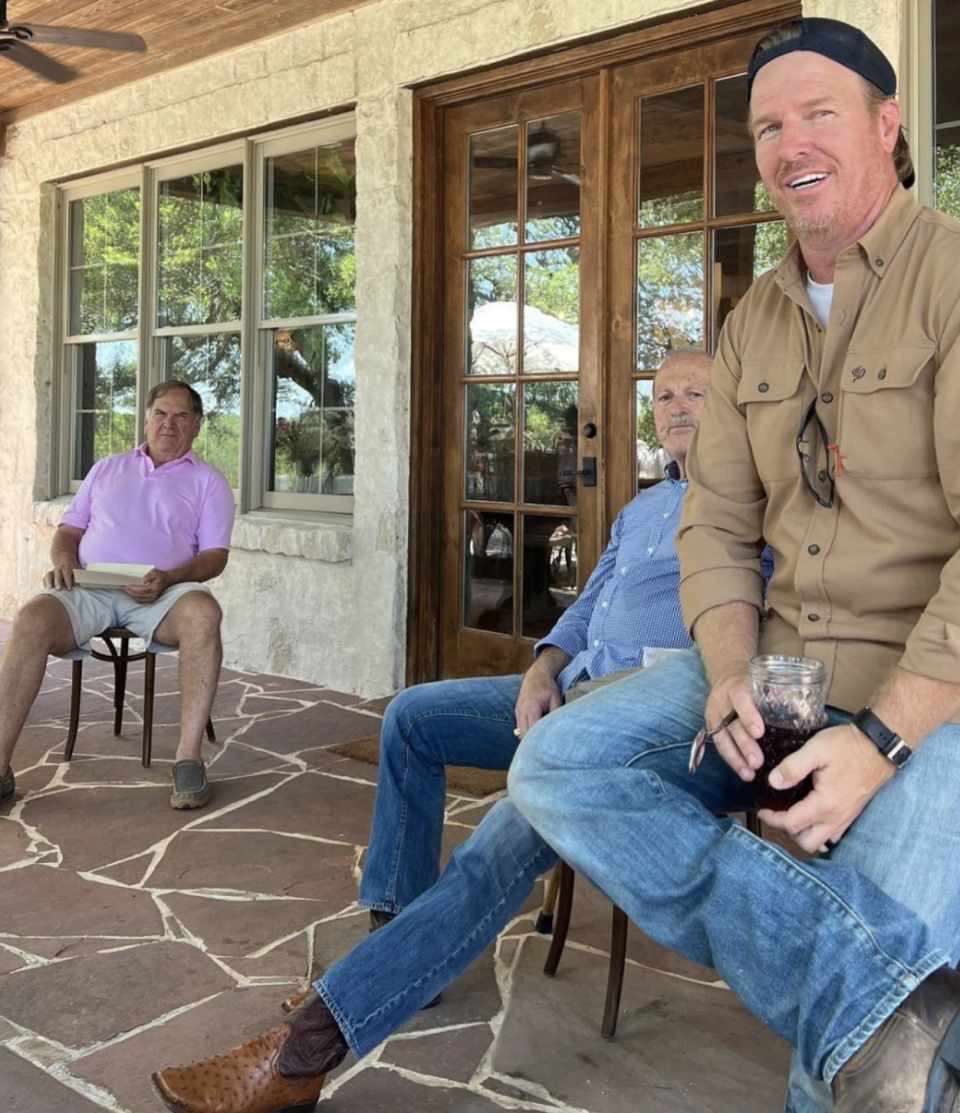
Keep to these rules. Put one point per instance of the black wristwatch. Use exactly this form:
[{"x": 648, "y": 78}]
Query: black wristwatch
[{"x": 887, "y": 741}]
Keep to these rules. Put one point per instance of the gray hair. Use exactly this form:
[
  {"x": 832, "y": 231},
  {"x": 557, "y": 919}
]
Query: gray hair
[{"x": 176, "y": 384}]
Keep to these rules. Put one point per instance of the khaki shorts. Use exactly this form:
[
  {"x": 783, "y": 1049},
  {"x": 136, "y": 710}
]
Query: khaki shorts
[{"x": 92, "y": 610}]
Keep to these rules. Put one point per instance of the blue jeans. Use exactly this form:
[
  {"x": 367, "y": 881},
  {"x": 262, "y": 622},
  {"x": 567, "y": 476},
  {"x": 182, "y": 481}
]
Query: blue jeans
[
  {"x": 819, "y": 951},
  {"x": 815, "y": 949},
  {"x": 453, "y": 722}
]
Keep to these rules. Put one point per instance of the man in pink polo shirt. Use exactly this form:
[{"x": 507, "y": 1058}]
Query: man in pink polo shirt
[{"x": 156, "y": 505}]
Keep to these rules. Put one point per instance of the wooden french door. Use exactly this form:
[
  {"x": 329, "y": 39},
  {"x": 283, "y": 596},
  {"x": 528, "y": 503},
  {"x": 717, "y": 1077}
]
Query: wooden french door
[
  {"x": 521, "y": 365},
  {"x": 691, "y": 226},
  {"x": 590, "y": 227}
]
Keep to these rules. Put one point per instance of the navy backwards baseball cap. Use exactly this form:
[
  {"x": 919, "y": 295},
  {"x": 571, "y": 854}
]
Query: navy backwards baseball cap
[{"x": 841, "y": 43}]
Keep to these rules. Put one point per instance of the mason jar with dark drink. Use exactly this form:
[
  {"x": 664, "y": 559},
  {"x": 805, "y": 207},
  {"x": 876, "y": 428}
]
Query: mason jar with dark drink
[{"x": 789, "y": 693}]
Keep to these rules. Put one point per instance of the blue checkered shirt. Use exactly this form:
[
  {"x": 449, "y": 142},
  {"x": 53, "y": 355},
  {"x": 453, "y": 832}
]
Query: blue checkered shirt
[{"x": 632, "y": 599}]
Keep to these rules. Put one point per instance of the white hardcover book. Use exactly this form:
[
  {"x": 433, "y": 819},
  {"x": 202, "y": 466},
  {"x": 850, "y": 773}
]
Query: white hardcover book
[{"x": 105, "y": 574}]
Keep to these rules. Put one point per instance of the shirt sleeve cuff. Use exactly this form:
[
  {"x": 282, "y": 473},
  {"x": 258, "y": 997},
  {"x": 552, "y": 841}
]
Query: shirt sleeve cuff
[
  {"x": 70, "y": 518},
  {"x": 702, "y": 591},
  {"x": 933, "y": 649},
  {"x": 570, "y": 645}
]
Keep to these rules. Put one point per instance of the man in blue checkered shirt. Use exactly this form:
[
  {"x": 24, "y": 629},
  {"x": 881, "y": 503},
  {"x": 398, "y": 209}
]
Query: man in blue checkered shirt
[{"x": 626, "y": 615}]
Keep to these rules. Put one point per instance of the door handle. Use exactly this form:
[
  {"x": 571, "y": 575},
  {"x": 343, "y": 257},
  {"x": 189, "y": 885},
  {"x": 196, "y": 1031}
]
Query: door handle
[{"x": 587, "y": 473}]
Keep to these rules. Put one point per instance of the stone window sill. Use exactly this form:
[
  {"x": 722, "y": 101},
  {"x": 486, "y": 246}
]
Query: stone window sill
[{"x": 323, "y": 537}]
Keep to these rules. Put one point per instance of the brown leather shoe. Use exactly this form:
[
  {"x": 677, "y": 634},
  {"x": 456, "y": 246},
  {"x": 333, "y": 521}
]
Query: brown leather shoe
[
  {"x": 245, "y": 1080},
  {"x": 911, "y": 1064}
]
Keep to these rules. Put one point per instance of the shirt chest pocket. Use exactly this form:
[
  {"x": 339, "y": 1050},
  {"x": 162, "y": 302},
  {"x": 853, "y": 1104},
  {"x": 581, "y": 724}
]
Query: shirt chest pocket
[
  {"x": 770, "y": 396},
  {"x": 886, "y": 414}
]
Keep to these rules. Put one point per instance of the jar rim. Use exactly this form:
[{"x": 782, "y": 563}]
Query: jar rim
[{"x": 784, "y": 667}]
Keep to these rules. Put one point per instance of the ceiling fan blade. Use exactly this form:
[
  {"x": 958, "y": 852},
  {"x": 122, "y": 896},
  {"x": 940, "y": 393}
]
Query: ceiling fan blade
[
  {"x": 77, "y": 36},
  {"x": 38, "y": 63}
]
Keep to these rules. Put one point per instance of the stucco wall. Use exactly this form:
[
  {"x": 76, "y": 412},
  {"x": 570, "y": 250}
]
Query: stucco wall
[{"x": 335, "y": 611}]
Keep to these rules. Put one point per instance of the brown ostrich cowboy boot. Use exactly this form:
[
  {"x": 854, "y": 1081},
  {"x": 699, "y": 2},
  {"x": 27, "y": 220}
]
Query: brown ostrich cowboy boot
[{"x": 281, "y": 1071}]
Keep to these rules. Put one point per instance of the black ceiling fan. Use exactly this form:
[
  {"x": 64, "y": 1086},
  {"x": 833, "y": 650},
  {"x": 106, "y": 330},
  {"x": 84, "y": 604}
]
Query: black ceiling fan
[
  {"x": 17, "y": 45},
  {"x": 543, "y": 158}
]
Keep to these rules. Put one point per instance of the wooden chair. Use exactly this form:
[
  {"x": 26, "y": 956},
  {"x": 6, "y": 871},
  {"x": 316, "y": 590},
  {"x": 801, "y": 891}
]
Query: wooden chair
[
  {"x": 121, "y": 657},
  {"x": 559, "y": 895}
]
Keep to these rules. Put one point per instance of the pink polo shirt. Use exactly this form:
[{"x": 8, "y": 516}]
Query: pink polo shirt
[{"x": 135, "y": 513}]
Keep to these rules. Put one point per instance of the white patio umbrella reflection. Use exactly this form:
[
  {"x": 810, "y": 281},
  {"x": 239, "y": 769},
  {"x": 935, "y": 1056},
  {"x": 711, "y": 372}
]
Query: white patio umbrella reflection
[{"x": 551, "y": 346}]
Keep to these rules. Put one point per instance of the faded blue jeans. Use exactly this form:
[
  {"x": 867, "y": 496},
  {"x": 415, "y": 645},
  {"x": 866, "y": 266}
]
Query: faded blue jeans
[
  {"x": 817, "y": 950},
  {"x": 452, "y": 722}
]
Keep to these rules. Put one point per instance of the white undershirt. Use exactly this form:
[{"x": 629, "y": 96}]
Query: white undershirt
[{"x": 821, "y": 297}]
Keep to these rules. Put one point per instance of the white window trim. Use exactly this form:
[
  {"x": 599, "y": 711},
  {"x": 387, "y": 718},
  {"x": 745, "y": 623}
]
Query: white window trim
[
  {"x": 253, "y": 329},
  {"x": 62, "y": 445},
  {"x": 286, "y": 142}
]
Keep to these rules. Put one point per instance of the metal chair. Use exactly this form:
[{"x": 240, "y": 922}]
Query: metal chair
[
  {"x": 121, "y": 657},
  {"x": 559, "y": 894}
]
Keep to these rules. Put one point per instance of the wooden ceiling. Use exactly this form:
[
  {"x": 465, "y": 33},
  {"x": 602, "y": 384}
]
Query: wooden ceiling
[{"x": 176, "y": 32}]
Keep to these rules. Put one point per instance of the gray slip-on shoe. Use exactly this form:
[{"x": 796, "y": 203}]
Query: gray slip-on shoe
[{"x": 191, "y": 789}]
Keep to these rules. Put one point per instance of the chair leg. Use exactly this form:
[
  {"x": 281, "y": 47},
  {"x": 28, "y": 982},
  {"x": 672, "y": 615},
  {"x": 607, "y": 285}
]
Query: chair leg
[
  {"x": 564, "y": 905},
  {"x": 544, "y": 925},
  {"x": 76, "y": 686},
  {"x": 149, "y": 674},
  {"x": 211, "y": 736},
  {"x": 618, "y": 960},
  {"x": 120, "y": 687}
]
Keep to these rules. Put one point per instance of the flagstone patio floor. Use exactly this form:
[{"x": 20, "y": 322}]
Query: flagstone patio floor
[{"x": 133, "y": 936}]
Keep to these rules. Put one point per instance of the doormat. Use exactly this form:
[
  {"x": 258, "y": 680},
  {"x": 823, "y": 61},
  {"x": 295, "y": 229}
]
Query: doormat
[{"x": 460, "y": 778}]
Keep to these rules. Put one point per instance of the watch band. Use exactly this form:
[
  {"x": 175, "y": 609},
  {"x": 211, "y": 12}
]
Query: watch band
[{"x": 887, "y": 741}]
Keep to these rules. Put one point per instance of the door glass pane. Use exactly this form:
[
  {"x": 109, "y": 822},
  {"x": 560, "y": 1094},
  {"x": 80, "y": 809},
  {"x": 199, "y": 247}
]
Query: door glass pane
[
  {"x": 946, "y": 19},
  {"x": 104, "y": 257},
  {"x": 738, "y": 187},
  {"x": 488, "y": 571},
  {"x": 494, "y": 180},
  {"x": 492, "y": 316},
  {"x": 490, "y": 442},
  {"x": 553, "y": 178},
  {"x": 740, "y": 256},
  {"x": 311, "y": 208},
  {"x": 549, "y": 572},
  {"x": 651, "y": 458},
  {"x": 200, "y": 248},
  {"x": 105, "y": 396},
  {"x": 312, "y": 433},
  {"x": 211, "y": 365},
  {"x": 550, "y": 443},
  {"x": 551, "y": 311},
  {"x": 669, "y": 296},
  {"x": 671, "y": 158}
]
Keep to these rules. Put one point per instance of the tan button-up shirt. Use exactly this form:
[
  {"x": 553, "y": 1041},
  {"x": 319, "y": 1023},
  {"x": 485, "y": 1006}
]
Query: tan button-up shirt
[{"x": 874, "y": 580}]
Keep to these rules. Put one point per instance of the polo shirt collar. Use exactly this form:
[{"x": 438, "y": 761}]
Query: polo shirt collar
[{"x": 142, "y": 451}]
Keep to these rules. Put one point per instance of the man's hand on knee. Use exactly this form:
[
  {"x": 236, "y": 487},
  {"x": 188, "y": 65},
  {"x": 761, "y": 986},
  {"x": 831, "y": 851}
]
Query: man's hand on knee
[
  {"x": 539, "y": 695},
  {"x": 61, "y": 575}
]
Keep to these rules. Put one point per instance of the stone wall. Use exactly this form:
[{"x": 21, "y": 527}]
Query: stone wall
[{"x": 329, "y": 601}]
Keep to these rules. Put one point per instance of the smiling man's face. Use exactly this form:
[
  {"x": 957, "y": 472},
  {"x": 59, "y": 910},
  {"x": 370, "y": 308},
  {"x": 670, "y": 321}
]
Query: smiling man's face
[
  {"x": 171, "y": 426},
  {"x": 822, "y": 151}
]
